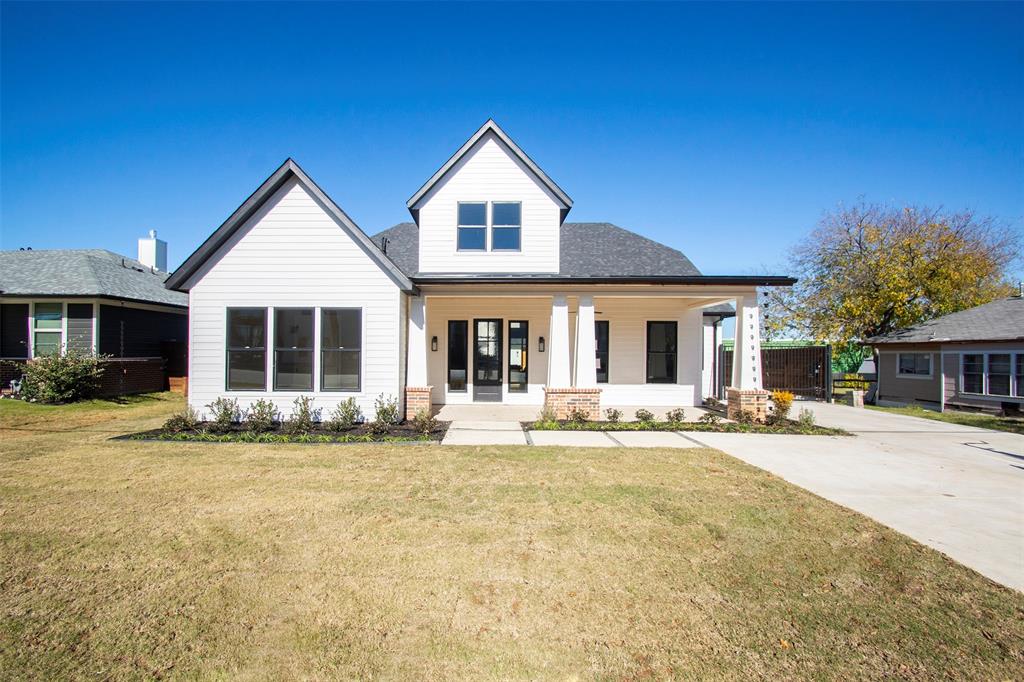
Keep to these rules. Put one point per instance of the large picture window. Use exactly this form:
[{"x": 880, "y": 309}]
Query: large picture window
[
  {"x": 518, "y": 349},
  {"x": 341, "y": 333},
  {"x": 247, "y": 349},
  {"x": 601, "y": 347},
  {"x": 293, "y": 349},
  {"x": 506, "y": 226},
  {"x": 914, "y": 364},
  {"x": 661, "y": 352},
  {"x": 994, "y": 374},
  {"x": 48, "y": 325},
  {"x": 472, "y": 226},
  {"x": 458, "y": 354}
]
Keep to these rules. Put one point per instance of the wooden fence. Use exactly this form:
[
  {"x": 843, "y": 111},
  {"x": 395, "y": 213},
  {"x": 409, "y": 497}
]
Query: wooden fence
[{"x": 802, "y": 370}]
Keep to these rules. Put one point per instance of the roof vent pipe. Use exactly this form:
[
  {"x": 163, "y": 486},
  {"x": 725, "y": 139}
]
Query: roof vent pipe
[{"x": 153, "y": 252}]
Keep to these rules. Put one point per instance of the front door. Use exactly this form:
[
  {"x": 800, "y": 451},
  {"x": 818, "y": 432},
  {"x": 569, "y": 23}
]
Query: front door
[{"x": 487, "y": 360}]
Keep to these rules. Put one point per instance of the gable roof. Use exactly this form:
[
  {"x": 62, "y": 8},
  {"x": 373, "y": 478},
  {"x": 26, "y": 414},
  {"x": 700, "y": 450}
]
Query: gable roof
[
  {"x": 288, "y": 170},
  {"x": 999, "y": 320},
  {"x": 490, "y": 127},
  {"x": 83, "y": 272}
]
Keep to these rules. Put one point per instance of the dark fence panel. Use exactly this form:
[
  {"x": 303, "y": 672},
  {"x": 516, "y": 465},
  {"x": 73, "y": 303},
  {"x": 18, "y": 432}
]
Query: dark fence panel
[{"x": 801, "y": 370}]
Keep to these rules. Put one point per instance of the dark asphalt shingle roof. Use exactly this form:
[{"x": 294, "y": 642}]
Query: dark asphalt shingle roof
[
  {"x": 587, "y": 250},
  {"x": 83, "y": 272},
  {"x": 1000, "y": 320}
]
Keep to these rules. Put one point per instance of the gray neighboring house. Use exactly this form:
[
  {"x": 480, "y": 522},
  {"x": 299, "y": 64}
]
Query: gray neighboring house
[
  {"x": 971, "y": 359},
  {"x": 95, "y": 301}
]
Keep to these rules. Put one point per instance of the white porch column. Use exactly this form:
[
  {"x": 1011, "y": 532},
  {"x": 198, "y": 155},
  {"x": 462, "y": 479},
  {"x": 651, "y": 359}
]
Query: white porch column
[
  {"x": 586, "y": 351},
  {"x": 558, "y": 344},
  {"x": 746, "y": 355},
  {"x": 690, "y": 351},
  {"x": 416, "y": 373}
]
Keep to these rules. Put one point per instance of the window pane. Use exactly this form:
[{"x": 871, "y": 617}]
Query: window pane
[
  {"x": 473, "y": 238},
  {"x": 341, "y": 329},
  {"x": 518, "y": 349},
  {"x": 601, "y": 346},
  {"x": 247, "y": 370},
  {"x": 973, "y": 373},
  {"x": 341, "y": 370},
  {"x": 999, "y": 374},
  {"x": 80, "y": 327},
  {"x": 1020, "y": 376},
  {"x": 917, "y": 364},
  {"x": 661, "y": 367},
  {"x": 457, "y": 354},
  {"x": 46, "y": 343},
  {"x": 293, "y": 370},
  {"x": 48, "y": 315},
  {"x": 661, "y": 352},
  {"x": 505, "y": 238},
  {"x": 473, "y": 214},
  {"x": 293, "y": 328},
  {"x": 505, "y": 214},
  {"x": 247, "y": 328}
]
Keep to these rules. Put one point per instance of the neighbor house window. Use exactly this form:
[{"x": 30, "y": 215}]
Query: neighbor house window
[
  {"x": 1019, "y": 390},
  {"x": 458, "y": 354},
  {"x": 48, "y": 329},
  {"x": 995, "y": 374},
  {"x": 341, "y": 333},
  {"x": 601, "y": 346},
  {"x": 973, "y": 373},
  {"x": 518, "y": 349},
  {"x": 661, "y": 352},
  {"x": 472, "y": 226},
  {"x": 247, "y": 349},
  {"x": 999, "y": 374},
  {"x": 914, "y": 364},
  {"x": 80, "y": 328},
  {"x": 293, "y": 349},
  {"x": 506, "y": 224}
]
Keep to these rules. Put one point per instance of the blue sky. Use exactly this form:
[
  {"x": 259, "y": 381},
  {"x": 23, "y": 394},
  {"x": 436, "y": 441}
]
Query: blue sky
[{"x": 722, "y": 130}]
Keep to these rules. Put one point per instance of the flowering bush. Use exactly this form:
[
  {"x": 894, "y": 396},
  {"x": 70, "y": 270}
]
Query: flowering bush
[{"x": 65, "y": 378}]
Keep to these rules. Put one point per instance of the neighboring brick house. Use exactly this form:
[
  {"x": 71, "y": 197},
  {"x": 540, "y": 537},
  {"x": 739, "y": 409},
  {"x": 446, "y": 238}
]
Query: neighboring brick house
[
  {"x": 95, "y": 301},
  {"x": 970, "y": 359}
]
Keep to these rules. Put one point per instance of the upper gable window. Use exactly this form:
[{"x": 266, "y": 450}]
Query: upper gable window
[
  {"x": 472, "y": 226},
  {"x": 506, "y": 224}
]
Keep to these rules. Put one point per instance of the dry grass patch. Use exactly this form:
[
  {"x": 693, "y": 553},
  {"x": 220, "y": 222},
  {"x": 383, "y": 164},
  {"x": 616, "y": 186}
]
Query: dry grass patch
[{"x": 126, "y": 559}]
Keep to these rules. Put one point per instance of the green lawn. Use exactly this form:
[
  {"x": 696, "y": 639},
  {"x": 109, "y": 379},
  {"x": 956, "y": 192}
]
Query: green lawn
[
  {"x": 984, "y": 421},
  {"x": 122, "y": 559}
]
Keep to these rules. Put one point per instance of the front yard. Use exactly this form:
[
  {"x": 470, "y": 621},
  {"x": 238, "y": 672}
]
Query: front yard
[
  {"x": 147, "y": 559},
  {"x": 982, "y": 421}
]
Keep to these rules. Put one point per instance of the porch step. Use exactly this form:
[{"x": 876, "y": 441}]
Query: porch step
[
  {"x": 461, "y": 432},
  {"x": 467, "y": 425}
]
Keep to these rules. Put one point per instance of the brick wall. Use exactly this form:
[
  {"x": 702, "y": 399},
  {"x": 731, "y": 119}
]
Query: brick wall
[
  {"x": 416, "y": 398},
  {"x": 754, "y": 401},
  {"x": 562, "y": 401},
  {"x": 120, "y": 377}
]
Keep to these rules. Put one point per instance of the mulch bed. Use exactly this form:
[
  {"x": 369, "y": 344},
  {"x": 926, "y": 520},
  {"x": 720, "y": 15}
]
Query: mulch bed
[
  {"x": 789, "y": 427},
  {"x": 238, "y": 433}
]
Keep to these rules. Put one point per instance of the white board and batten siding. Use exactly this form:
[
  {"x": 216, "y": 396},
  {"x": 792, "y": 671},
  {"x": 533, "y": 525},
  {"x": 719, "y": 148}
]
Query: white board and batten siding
[
  {"x": 489, "y": 172},
  {"x": 292, "y": 253}
]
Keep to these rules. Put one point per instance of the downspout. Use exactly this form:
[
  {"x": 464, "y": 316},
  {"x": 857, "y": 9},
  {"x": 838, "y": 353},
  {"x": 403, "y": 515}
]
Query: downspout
[{"x": 942, "y": 380}]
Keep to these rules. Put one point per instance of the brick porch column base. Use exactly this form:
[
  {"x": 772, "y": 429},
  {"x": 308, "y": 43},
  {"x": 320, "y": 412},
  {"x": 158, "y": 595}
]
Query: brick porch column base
[
  {"x": 416, "y": 398},
  {"x": 562, "y": 401},
  {"x": 752, "y": 400}
]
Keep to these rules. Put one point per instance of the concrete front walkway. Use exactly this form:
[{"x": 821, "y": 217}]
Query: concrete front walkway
[{"x": 957, "y": 489}]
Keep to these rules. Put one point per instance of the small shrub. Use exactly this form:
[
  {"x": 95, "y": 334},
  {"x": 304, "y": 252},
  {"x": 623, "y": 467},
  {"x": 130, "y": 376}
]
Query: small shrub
[
  {"x": 676, "y": 416},
  {"x": 612, "y": 415},
  {"x": 713, "y": 403},
  {"x": 261, "y": 416},
  {"x": 386, "y": 416},
  {"x": 60, "y": 379},
  {"x": 186, "y": 421},
  {"x": 547, "y": 419},
  {"x": 783, "y": 402},
  {"x": 224, "y": 413},
  {"x": 578, "y": 416},
  {"x": 710, "y": 418},
  {"x": 644, "y": 416},
  {"x": 346, "y": 415},
  {"x": 303, "y": 417},
  {"x": 806, "y": 418},
  {"x": 424, "y": 422},
  {"x": 745, "y": 417}
]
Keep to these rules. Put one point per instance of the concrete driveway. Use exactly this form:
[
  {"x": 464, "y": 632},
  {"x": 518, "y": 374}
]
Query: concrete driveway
[{"x": 957, "y": 489}]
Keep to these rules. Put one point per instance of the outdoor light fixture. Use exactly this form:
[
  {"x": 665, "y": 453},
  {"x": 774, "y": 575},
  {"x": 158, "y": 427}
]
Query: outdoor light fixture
[
  {"x": 433, "y": 344},
  {"x": 540, "y": 345}
]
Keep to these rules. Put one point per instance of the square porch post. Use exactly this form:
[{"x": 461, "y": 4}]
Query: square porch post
[
  {"x": 586, "y": 351},
  {"x": 746, "y": 392},
  {"x": 560, "y": 396},
  {"x": 417, "y": 392}
]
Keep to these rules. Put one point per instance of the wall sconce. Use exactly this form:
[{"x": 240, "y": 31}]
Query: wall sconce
[
  {"x": 433, "y": 344},
  {"x": 540, "y": 345}
]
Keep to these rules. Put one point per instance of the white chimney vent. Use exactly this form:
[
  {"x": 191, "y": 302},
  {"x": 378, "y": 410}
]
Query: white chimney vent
[{"x": 153, "y": 252}]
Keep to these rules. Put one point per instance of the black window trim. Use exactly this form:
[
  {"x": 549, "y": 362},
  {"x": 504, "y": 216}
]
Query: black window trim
[
  {"x": 526, "y": 347},
  {"x": 459, "y": 226},
  {"x": 362, "y": 344},
  {"x": 448, "y": 359},
  {"x": 228, "y": 348},
  {"x": 648, "y": 351},
  {"x": 312, "y": 351},
  {"x": 607, "y": 352}
]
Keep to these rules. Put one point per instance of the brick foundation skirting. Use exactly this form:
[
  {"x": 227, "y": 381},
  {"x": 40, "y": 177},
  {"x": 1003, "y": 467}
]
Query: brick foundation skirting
[
  {"x": 562, "y": 401},
  {"x": 752, "y": 400},
  {"x": 416, "y": 398},
  {"x": 123, "y": 376}
]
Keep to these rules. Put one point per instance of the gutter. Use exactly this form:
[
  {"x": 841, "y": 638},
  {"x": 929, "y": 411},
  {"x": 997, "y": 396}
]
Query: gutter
[{"x": 710, "y": 280}]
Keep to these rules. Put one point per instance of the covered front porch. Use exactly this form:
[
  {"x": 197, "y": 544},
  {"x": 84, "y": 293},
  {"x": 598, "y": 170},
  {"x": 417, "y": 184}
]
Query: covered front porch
[{"x": 575, "y": 349}]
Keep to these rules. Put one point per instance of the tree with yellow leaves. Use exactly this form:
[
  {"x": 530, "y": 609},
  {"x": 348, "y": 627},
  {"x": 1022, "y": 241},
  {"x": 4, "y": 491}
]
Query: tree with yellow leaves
[{"x": 869, "y": 270}]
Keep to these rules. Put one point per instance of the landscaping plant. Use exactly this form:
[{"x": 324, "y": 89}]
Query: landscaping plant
[
  {"x": 303, "y": 418},
  {"x": 344, "y": 416},
  {"x": 710, "y": 418},
  {"x": 424, "y": 422},
  {"x": 578, "y": 416},
  {"x": 261, "y": 416},
  {"x": 185, "y": 421},
  {"x": 387, "y": 415},
  {"x": 644, "y": 416},
  {"x": 58, "y": 379},
  {"x": 806, "y": 418},
  {"x": 676, "y": 416},
  {"x": 612, "y": 415},
  {"x": 783, "y": 402},
  {"x": 224, "y": 413}
]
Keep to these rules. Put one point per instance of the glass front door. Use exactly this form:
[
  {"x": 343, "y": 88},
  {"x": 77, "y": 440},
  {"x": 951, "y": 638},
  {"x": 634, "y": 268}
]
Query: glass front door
[{"x": 487, "y": 360}]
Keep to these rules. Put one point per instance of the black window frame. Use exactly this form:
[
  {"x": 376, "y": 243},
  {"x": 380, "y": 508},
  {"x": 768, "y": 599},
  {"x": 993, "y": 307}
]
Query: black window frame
[
  {"x": 229, "y": 349},
  {"x": 311, "y": 350},
  {"x": 459, "y": 226},
  {"x": 518, "y": 227},
  {"x": 465, "y": 356},
  {"x": 603, "y": 365},
  {"x": 674, "y": 325},
  {"x": 525, "y": 348},
  {"x": 324, "y": 350}
]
